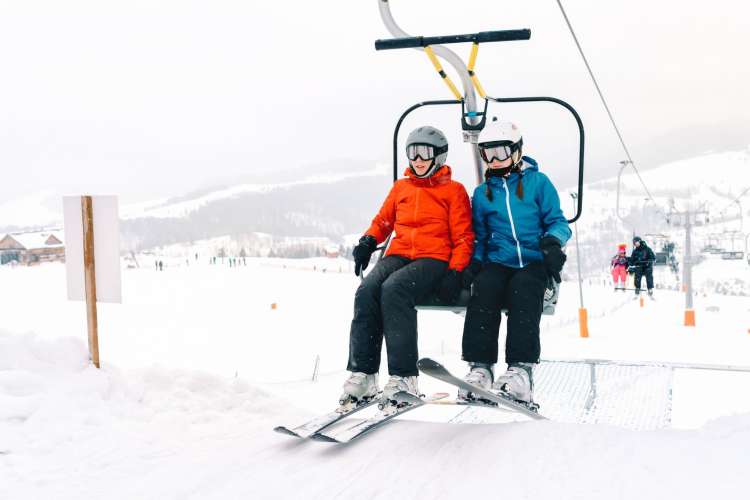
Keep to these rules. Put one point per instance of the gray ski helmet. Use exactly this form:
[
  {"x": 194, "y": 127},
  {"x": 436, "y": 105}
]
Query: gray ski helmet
[{"x": 430, "y": 136}]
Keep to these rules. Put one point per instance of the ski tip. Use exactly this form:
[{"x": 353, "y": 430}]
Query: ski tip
[
  {"x": 323, "y": 438},
  {"x": 283, "y": 430},
  {"x": 427, "y": 363},
  {"x": 406, "y": 397}
]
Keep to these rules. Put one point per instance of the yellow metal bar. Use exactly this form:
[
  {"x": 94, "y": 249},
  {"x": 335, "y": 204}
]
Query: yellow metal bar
[
  {"x": 443, "y": 75},
  {"x": 473, "y": 56},
  {"x": 478, "y": 86},
  {"x": 472, "y": 75}
]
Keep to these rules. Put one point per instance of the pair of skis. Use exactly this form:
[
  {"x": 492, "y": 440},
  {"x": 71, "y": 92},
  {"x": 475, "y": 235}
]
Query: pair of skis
[{"x": 317, "y": 428}]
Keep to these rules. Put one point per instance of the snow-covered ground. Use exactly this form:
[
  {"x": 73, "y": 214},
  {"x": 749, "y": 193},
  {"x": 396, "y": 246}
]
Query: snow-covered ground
[{"x": 198, "y": 367}]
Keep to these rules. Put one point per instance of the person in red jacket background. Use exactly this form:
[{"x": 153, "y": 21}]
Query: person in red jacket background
[
  {"x": 619, "y": 267},
  {"x": 433, "y": 243}
]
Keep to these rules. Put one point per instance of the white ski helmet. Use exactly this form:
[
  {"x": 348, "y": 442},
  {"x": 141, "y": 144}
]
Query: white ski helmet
[
  {"x": 427, "y": 143},
  {"x": 501, "y": 140}
]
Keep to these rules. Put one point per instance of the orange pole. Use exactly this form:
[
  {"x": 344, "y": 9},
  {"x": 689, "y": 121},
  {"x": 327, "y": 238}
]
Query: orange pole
[
  {"x": 583, "y": 322},
  {"x": 641, "y": 300},
  {"x": 689, "y": 317}
]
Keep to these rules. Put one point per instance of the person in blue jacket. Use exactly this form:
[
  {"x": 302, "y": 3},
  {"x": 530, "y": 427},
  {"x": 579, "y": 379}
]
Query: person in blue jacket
[{"x": 520, "y": 231}]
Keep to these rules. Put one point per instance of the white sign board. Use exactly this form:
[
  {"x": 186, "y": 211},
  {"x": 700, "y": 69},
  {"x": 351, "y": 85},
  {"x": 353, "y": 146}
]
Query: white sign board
[{"x": 106, "y": 248}]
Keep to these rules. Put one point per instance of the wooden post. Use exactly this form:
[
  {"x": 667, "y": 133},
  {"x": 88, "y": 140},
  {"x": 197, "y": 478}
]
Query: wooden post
[{"x": 89, "y": 268}]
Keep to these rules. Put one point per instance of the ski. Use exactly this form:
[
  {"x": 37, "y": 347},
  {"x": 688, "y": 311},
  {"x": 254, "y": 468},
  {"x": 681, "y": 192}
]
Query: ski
[
  {"x": 319, "y": 423},
  {"x": 388, "y": 413},
  {"x": 438, "y": 371}
]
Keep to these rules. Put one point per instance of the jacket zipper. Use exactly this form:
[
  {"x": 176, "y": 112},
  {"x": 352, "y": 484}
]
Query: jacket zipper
[
  {"x": 416, "y": 208},
  {"x": 512, "y": 225}
]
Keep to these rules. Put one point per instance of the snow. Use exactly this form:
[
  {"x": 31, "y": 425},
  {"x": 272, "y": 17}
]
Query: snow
[{"x": 197, "y": 368}]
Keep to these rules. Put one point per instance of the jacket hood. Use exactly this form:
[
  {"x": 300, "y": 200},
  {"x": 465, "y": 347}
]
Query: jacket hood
[{"x": 441, "y": 176}]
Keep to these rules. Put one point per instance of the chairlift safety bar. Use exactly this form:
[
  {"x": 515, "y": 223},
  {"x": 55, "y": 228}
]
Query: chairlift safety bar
[{"x": 413, "y": 42}]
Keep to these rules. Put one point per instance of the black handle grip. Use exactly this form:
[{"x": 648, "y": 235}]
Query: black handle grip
[{"x": 423, "y": 41}]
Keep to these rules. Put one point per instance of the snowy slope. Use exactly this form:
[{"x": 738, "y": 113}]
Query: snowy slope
[
  {"x": 167, "y": 434},
  {"x": 710, "y": 182}
]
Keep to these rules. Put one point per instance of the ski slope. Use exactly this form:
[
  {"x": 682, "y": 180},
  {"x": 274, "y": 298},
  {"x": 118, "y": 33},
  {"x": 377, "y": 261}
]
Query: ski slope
[{"x": 198, "y": 368}]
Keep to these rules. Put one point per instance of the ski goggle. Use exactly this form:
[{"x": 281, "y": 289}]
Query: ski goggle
[
  {"x": 424, "y": 151},
  {"x": 497, "y": 151}
]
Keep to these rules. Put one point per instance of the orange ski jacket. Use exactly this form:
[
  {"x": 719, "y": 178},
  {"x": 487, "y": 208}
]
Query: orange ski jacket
[{"x": 431, "y": 217}]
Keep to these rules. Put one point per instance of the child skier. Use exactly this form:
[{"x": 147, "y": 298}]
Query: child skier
[
  {"x": 520, "y": 230},
  {"x": 619, "y": 268},
  {"x": 431, "y": 216}
]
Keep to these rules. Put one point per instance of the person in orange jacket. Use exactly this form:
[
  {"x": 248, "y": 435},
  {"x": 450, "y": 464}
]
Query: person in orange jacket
[{"x": 434, "y": 240}]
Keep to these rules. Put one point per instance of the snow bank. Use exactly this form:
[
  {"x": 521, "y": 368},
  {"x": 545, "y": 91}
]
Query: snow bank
[{"x": 69, "y": 431}]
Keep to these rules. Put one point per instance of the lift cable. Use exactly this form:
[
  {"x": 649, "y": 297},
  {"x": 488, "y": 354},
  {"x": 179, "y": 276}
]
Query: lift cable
[{"x": 604, "y": 101}]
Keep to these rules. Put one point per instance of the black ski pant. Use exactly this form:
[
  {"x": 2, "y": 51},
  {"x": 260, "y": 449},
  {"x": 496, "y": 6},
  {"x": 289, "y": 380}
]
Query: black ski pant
[
  {"x": 384, "y": 308},
  {"x": 522, "y": 292},
  {"x": 640, "y": 272}
]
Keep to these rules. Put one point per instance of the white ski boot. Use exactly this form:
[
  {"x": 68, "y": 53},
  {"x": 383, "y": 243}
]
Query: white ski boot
[
  {"x": 359, "y": 387},
  {"x": 480, "y": 375},
  {"x": 517, "y": 383},
  {"x": 399, "y": 384},
  {"x": 651, "y": 293}
]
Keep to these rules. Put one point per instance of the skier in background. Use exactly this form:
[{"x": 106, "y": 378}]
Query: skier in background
[
  {"x": 520, "y": 230},
  {"x": 642, "y": 262},
  {"x": 431, "y": 216},
  {"x": 619, "y": 267}
]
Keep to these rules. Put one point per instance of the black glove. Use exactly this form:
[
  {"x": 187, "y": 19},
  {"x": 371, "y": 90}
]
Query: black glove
[
  {"x": 450, "y": 287},
  {"x": 470, "y": 273},
  {"x": 362, "y": 253},
  {"x": 554, "y": 258}
]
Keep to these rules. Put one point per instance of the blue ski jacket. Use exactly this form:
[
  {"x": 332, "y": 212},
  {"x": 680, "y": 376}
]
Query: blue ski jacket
[{"x": 508, "y": 228}]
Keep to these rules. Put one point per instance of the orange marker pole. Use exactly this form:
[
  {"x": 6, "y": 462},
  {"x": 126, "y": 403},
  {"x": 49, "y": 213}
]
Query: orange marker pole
[
  {"x": 689, "y": 317},
  {"x": 583, "y": 322}
]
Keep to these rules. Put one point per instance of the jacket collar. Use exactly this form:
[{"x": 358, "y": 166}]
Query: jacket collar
[
  {"x": 528, "y": 164},
  {"x": 441, "y": 176}
]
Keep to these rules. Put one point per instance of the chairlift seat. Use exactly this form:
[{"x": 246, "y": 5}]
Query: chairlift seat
[{"x": 433, "y": 303}]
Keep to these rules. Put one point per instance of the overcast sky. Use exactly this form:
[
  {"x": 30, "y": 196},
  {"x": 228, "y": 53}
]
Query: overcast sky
[{"x": 149, "y": 98}]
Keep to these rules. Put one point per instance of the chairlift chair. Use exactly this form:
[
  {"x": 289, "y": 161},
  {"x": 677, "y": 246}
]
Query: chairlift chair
[{"x": 472, "y": 122}]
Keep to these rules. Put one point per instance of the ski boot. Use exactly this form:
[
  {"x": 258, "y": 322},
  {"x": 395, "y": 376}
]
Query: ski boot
[
  {"x": 517, "y": 384},
  {"x": 398, "y": 384},
  {"x": 359, "y": 388},
  {"x": 480, "y": 375},
  {"x": 651, "y": 293}
]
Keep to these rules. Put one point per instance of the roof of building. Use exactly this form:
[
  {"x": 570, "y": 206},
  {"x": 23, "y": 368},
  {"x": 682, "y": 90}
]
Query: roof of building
[{"x": 38, "y": 239}]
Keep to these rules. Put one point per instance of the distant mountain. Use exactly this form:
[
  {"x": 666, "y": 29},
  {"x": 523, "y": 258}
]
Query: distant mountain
[
  {"x": 326, "y": 202},
  {"x": 339, "y": 199}
]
